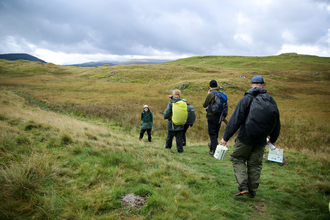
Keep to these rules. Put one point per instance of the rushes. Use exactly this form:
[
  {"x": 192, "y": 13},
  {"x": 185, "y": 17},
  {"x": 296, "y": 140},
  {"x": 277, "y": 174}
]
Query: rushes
[
  {"x": 21, "y": 179},
  {"x": 307, "y": 135}
]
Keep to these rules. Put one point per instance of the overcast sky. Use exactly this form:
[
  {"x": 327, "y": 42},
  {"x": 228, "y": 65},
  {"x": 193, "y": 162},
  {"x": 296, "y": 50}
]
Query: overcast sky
[{"x": 76, "y": 31}]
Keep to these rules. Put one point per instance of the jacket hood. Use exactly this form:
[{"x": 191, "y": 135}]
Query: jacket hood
[
  {"x": 255, "y": 91},
  {"x": 144, "y": 111},
  {"x": 176, "y": 99}
]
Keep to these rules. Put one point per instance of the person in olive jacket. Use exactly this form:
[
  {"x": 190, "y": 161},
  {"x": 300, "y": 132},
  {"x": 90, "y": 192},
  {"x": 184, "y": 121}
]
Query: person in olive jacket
[
  {"x": 212, "y": 119},
  {"x": 146, "y": 125},
  {"x": 173, "y": 130}
]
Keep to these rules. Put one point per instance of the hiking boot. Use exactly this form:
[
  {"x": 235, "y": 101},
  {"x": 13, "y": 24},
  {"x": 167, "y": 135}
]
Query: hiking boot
[
  {"x": 139, "y": 139},
  {"x": 252, "y": 194},
  {"x": 211, "y": 153},
  {"x": 241, "y": 192},
  {"x": 166, "y": 147},
  {"x": 183, "y": 144},
  {"x": 209, "y": 145}
]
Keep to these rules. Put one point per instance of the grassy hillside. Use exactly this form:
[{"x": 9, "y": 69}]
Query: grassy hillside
[
  {"x": 287, "y": 61},
  {"x": 69, "y": 147}
]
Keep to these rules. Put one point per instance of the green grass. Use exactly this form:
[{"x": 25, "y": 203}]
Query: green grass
[
  {"x": 85, "y": 180},
  {"x": 69, "y": 149}
]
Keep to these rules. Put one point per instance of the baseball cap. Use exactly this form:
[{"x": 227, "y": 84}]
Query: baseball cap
[{"x": 257, "y": 78}]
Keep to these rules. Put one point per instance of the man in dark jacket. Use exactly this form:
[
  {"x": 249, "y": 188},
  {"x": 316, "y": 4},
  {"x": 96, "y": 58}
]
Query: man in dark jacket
[
  {"x": 213, "y": 120},
  {"x": 146, "y": 125},
  {"x": 173, "y": 130},
  {"x": 248, "y": 153}
]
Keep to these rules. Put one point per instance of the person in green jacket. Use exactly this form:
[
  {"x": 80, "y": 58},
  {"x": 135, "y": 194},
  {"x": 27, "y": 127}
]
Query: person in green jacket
[
  {"x": 146, "y": 125},
  {"x": 213, "y": 120},
  {"x": 173, "y": 130}
]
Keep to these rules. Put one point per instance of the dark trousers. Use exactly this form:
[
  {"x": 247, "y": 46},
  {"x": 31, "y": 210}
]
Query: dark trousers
[
  {"x": 214, "y": 127},
  {"x": 185, "y": 128},
  {"x": 178, "y": 136},
  {"x": 148, "y": 132}
]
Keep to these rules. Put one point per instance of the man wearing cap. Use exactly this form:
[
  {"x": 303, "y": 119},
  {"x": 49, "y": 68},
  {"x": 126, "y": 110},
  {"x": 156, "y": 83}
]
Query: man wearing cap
[
  {"x": 248, "y": 153},
  {"x": 212, "y": 119},
  {"x": 146, "y": 125}
]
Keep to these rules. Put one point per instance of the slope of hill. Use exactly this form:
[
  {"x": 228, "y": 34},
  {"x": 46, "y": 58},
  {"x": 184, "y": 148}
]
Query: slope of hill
[
  {"x": 20, "y": 56},
  {"x": 280, "y": 62}
]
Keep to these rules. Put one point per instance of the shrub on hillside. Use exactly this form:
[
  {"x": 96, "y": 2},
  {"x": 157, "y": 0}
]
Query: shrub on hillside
[{"x": 66, "y": 139}]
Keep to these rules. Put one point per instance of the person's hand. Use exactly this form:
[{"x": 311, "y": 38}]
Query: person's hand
[
  {"x": 191, "y": 126},
  {"x": 169, "y": 96},
  {"x": 268, "y": 141},
  {"x": 223, "y": 142}
]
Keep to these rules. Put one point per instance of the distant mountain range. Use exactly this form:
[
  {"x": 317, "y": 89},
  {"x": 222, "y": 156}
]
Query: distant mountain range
[
  {"x": 24, "y": 56},
  {"x": 126, "y": 62},
  {"x": 20, "y": 56}
]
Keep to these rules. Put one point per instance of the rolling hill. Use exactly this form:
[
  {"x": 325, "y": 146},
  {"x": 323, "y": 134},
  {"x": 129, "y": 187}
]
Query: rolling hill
[{"x": 20, "y": 56}]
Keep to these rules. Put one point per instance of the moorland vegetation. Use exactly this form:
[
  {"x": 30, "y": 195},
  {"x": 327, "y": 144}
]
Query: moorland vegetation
[{"x": 69, "y": 149}]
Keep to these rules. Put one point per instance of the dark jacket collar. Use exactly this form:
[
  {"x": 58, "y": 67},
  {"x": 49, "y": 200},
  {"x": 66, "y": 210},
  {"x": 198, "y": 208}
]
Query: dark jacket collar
[{"x": 255, "y": 91}]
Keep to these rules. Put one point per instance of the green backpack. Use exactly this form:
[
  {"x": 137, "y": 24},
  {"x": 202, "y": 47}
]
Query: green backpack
[{"x": 179, "y": 112}]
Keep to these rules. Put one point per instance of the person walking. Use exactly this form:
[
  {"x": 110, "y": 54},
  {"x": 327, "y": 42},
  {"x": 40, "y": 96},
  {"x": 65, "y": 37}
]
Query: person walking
[
  {"x": 190, "y": 121},
  {"x": 146, "y": 125},
  {"x": 213, "y": 120},
  {"x": 250, "y": 144},
  {"x": 173, "y": 130}
]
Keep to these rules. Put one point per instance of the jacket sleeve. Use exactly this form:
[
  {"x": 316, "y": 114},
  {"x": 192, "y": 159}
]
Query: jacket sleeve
[
  {"x": 208, "y": 100},
  {"x": 238, "y": 117},
  {"x": 276, "y": 132},
  {"x": 168, "y": 111},
  {"x": 152, "y": 117},
  {"x": 142, "y": 115}
]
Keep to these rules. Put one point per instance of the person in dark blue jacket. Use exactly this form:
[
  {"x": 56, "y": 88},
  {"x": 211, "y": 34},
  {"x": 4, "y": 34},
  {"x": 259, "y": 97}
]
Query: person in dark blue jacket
[
  {"x": 146, "y": 125},
  {"x": 248, "y": 153}
]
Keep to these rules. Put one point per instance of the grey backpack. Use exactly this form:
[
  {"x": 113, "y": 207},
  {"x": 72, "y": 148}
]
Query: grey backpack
[{"x": 191, "y": 115}]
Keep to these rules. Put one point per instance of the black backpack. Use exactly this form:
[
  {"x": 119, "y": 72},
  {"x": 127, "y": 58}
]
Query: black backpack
[
  {"x": 191, "y": 115},
  {"x": 262, "y": 117},
  {"x": 220, "y": 106}
]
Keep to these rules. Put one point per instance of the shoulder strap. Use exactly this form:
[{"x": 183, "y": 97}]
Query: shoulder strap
[{"x": 248, "y": 108}]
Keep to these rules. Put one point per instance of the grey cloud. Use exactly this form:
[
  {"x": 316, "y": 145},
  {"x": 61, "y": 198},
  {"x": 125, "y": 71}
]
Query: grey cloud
[{"x": 130, "y": 27}]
